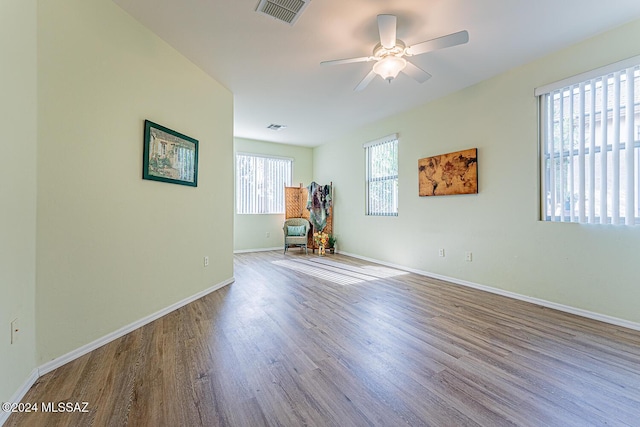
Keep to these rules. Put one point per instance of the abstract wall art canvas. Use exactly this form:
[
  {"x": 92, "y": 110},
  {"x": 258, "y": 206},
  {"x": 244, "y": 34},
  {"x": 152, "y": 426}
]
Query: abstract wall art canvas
[{"x": 446, "y": 174}]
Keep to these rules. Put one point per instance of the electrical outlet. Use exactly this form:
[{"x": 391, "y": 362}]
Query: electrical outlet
[
  {"x": 206, "y": 261},
  {"x": 15, "y": 331},
  {"x": 468, "y": 256},
  {"x": 441, "y": 252},
  {"x": 267, "y": 234}
]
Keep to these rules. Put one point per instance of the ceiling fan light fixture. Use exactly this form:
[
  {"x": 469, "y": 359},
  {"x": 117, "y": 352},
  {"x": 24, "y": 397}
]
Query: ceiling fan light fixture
[{"x": 389, "y": 67}]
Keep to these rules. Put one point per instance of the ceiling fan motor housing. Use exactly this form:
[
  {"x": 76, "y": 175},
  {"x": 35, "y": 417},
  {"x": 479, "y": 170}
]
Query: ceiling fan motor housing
[{"x": 380, "y": 51}]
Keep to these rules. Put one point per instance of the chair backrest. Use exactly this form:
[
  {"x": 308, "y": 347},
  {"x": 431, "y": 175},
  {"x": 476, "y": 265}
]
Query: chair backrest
[{"x": 296, "y": 222}]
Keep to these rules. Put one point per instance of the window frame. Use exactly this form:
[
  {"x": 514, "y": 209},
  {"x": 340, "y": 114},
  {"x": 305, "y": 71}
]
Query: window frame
[
  {"x": 586, "y": 175},
  {"x": 259, "y": 204},
  {"x": 394, "y": 178}
]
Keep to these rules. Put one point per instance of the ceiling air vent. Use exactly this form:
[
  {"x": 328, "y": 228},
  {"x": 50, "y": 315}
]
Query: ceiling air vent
[
  {"x": 283, "y": 10},
  {"x": 276, "y": 127}
]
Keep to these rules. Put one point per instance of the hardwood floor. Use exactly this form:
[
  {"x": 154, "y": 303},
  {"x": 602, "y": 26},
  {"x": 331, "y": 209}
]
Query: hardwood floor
[{"x": 307, "y": 341}]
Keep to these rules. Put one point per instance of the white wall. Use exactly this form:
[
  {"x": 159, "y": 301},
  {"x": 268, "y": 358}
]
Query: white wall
[
  {"x": 113, "y": 248},
  {"x": 18, "y": 116},
  {"x": 250, "y": 231},
  {"x": 594, "y": 268}
]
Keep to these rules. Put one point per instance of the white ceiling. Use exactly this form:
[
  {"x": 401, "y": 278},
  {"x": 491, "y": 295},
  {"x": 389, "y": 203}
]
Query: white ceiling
[{"x": 274, "y": 72}]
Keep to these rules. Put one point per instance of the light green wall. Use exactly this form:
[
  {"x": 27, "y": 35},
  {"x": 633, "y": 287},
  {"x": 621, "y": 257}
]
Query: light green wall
[
  {"x": 113, "y": 248},
  {"x": 250, "y": 231},
  {"x": 18, "y": 115},
  {"x": 594, "y": 268}
]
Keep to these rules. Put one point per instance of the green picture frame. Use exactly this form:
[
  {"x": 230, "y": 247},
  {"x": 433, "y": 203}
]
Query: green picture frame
[{"x": 169, "y": 156}]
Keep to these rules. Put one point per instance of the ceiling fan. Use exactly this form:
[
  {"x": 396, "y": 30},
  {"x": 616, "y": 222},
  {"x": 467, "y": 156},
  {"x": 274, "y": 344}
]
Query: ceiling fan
[{"x": 390, "y": 53}]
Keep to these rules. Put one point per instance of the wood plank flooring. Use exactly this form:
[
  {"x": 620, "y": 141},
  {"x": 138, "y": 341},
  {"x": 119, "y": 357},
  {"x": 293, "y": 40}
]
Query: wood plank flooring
[{"x": 307, "y": 341}]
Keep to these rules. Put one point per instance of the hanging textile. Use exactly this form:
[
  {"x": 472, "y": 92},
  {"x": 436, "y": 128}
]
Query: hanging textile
[{"x": 318, "y": 204}]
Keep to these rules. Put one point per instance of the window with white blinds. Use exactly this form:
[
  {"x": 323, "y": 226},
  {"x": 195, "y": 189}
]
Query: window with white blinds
[
  {"x": 382, "y": 176},
  {"x": 260, "y": 183},
  {"x": 590, "y": 146}
]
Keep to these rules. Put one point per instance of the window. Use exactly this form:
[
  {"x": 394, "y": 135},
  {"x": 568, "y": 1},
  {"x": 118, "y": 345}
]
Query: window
[
  {"x": 382, "y": 176},
  {"x": 260, "y": 183},
  {"x": 590, "y": 146}
]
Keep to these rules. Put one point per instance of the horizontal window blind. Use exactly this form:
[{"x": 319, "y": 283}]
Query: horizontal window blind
[
  {"x": 260, "y": 183},
  {"x": 590, "y": 147},
  {"x": 382, "y": 176}
]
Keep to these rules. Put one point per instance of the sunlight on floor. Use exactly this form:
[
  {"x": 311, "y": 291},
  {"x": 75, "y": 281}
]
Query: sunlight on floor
[
  {"x": 336, "y": 272},
  {"x": 370, "y": 270}
]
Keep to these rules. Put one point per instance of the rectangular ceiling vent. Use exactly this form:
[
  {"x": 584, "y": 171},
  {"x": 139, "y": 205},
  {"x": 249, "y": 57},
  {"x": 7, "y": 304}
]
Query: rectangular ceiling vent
[{"x": 283, "y": 10}]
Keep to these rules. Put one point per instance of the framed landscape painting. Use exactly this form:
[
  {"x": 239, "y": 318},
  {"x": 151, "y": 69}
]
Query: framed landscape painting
[
  {"x": 169, "y": 156},
  {"x": 453, "y": 173}
]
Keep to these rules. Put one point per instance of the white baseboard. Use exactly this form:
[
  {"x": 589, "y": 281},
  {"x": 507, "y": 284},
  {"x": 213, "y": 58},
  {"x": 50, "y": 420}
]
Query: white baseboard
[
  {"x": 19, "y": 394},
  {"x": 544, "y": 303},
  {"x": 72, "y": 355},
  {"x": 276, "y": 248}
]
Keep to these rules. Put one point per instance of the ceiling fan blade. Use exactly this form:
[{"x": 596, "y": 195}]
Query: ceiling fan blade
[
  {"x": 461, "y": 37},
  {"x": 347, "y": 61},
  {"x": 365, "y": 82},
  {"x": 417, "y": 73},
  {"x": 387, "y": 29}
]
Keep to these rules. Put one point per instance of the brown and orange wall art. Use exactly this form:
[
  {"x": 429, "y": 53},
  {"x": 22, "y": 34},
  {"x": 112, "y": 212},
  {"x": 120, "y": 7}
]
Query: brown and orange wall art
[{"x": 447, "y": 174}]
